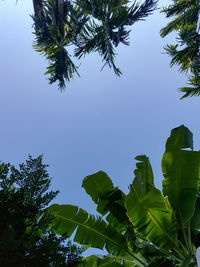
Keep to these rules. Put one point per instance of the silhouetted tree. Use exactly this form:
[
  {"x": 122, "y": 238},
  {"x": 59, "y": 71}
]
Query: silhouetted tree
[{"x": 25, "y": 238}]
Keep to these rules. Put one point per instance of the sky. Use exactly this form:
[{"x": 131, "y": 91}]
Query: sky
[{"x": 100, "y": 121}]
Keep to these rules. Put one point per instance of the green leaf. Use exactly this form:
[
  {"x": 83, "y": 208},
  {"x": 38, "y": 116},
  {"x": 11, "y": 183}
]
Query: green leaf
[
  {"x": 89, "y": 230},
  {"x": 181, "y": 137},
  {"x": 195, "y": 220},
  {"x": 94, "y": 261},
  {"x": 107, "y": 197},
  {"x": 161, "y": 262},
  {"x": 186, "y": 23},
  {"x": 147, "y": 209},
  {"x": 173, "y": 25},
  {"x": 98, "y": 185},
  {"x": 186, "y": 261},
  {"x": 105, "y": 261},
  {"x": 181, "y": 170},
  {"x": 145, "y": 170}
]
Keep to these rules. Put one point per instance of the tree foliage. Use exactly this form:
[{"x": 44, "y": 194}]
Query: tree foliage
[
  {"x": 87, "y": 25},
  {"x": 146, "y": 227},
  {"x": 185, "y": 53},
  {"x": 25, "y": 238}
]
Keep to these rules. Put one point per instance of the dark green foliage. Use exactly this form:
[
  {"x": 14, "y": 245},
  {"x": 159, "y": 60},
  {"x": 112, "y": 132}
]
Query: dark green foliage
[
  {"x": 25, "y": 239},
  {"x": 186, "y": 52},
  {"x": 88, "y": 26}
]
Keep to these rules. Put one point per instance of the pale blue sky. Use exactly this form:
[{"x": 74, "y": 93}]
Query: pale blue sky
[{"x": 100, "y": 122}]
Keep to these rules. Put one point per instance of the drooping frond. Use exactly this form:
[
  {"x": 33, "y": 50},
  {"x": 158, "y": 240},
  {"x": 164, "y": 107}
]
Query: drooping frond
[
  {"x": 107, "y": 28},
  {"x": 178, "y": 8},
  {"x": 193, "y": 89},
  {"x": 172, "y": 26},
  {"x": 88, "y": 25},
  {"x": 140, "y": 12},
  {"x": 61, "y": 67},
  {"x": 185, "y": 53},
  {"x": 184, "y": 58},
  {"x": 56, "y": 27}
]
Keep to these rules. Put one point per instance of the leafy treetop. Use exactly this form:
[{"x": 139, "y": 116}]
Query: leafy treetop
[{"x": 25, "y": 237}]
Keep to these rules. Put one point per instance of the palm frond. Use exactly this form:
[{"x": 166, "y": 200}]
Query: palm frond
[
  {"x": 89, "y": 25},
  {"x": 188, "y": 35},
  {"x": 186, "y": 24},
  {"x": 183, "y": 58},
  {"x": 193, "y": 89},
  {"x": 108, "y": 30},
  {"x": 178, "y": 8},
  {"x": 57, "y": 26},
  {"x": 120, "y": 36},
  {"x": 61, "y": 67},
  {"x": 173, "y": 25},
  {"x": 140, "y": 12},
  {"x": 97, "y": 40}
]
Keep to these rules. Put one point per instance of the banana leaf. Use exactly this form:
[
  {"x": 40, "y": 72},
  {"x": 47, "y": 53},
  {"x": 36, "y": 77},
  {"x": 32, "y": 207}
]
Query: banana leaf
[
  {"x": 181, "y": 171},
  {"x": 105, "y": 261},
  {"x": 109, "y": 199},
  {"x": 147, "y": 209},
  {"x": 90, "y": 231}
]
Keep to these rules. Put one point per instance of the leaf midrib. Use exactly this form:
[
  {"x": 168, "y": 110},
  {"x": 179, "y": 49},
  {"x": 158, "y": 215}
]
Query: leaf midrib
[
  {"x": 152, "y": 216},
  {"x": 92, "y": 230}
]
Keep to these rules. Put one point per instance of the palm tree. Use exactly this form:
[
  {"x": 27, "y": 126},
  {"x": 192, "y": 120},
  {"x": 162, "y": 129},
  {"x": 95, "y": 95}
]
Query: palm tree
[
  {"x": 88, "y": 25},
  {"x": 186, "y": 52}
]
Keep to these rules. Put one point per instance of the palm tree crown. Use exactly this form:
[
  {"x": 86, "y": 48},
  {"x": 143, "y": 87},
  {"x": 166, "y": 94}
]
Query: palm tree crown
[
  {"x": 88, "y": 25},
  {"x": 186, "y": 52}
]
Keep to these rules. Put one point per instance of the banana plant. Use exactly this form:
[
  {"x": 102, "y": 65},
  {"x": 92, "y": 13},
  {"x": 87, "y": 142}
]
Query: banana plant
[{"x": 146, "y": 227}]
